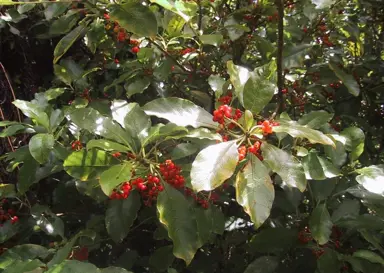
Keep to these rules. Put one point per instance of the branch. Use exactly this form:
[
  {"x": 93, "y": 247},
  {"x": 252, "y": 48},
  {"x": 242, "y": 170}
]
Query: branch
[
  {"x": 279, "y": 58},
  {"x": 11, "y": 88},
  {"x": 200, "y": 22}
]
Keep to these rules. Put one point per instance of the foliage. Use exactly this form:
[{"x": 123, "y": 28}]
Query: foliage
[{"x": 197, "y": 136}]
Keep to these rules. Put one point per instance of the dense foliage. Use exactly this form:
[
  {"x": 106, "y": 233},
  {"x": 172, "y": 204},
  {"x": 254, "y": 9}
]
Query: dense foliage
[{"x": 192, "y": 136}]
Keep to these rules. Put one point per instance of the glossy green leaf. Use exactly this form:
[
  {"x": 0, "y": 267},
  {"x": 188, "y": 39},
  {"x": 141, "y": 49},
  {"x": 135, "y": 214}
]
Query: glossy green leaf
[
  {"x": 264, "y": 264},
  {"x": 26, "y": 175},
  {"x": 216, "y": 82},
  {"x": 114, "y": 176},
  {"x": 321, "y": 190},
  {"x": 239, "y": 77},
  {"x": 320, "y": 224},
  {"x": 106, "y": 145},
  {"x": 24, "y": 266},
  {"x": 47, "y": 220},
  {"x": 255, "y": 191},
  {"x": 347, "y": 79},
  {"x": 24, "y": 8},
  {"x": 355, "y": 140},
  {"x": 55, "y": 9},
  {"x": 176, "y": 214},
  {"x": 348, "y": 208},
  {"x": 7, "y": 231},
  {"x": 213, "y": 165},
  {"x": 30, "y": 251},
  {"x": 161, "y": 132},
  {"x": 91, "y": 120},
  {"x": 257, "y": 93},
  {"x": 33, "y": 111},
  {"x": 40, "y": 147},
  {"x": 162, "y": 258},
  {"x": 171, "y": 5},
  {"x": 73, "y": 266},
  {"x": 175, "y": 25},
  {"x": 120, "y": 216},
  {"x": 295, "y": 130},
  {"x": 96, "y": 35},
  {"x": 285, "y": 165},
  {"x": 234, "y": 28},
  {"x": 329, "y": 262},
  {"x": 12, "y": 130},
  {"x": 136, "y": 18},
  {"x": 315, "y": 119},
  {"x": 7, "y": 190},
  {"x": 86, "y": 165},
  {"x": 211, "y": 39},
  {"x": 67, "y": 41},
  {"x": 369, "y": 255},
  {"x": 64, "y": 24},
  {"x": 337, "y": 155},
  {"x": 293, "y": 56},
  {"x": 179, "y": 111},
  {"x": 312, "y": 167},
  {"x": 273, "y": 240},
  {"x": 138, "y": 86},
  {"x": 372, "y": 178}
]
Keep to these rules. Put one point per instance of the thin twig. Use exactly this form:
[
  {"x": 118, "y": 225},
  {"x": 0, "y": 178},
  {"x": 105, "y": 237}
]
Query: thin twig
[
  {"x": 200, "y": 22},
  {"x": 279, "y": 57},
  {"x": 11, "y": 88}
]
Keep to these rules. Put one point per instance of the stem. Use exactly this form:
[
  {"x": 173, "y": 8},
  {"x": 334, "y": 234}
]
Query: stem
[
  {"x": 10, "y": 87},
  {"x": 279, "y": 58}
]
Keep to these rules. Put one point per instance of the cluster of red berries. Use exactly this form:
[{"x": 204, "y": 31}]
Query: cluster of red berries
[
  {"x": 325, "y": 36},
  {"x": 254, "y": 149},
  {"x": 149, "y": 188},
  {"x": 172, "y": 174},
  {"x": 80, "y": 254},
  {"x": 226, "y": 99},
  {"x": 273, "y": 18},
  {"x": 335, "y": 85},
  {"x": 267, "y": 126},
  {"x": 122, "y": 192},
  {"x": 187, "y": 50},
  {"x": 318, "y": 252},
  {"x": 202, "y": 200},
  {"x": 86, "y": 95},
  {"x": 135, "y": 49},
  {"x": 225, "y": 111},
  {"x": 76, "y": 145},
  {"x": 7, "y": 213},
  {"x": 305, "y": 235}
]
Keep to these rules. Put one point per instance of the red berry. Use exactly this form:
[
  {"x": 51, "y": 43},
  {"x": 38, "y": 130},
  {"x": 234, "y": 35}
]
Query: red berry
[
  {"x": 135, "y": 49},
  {"x": 14, "y": 219},
  {"x": 106, "y": 16}
]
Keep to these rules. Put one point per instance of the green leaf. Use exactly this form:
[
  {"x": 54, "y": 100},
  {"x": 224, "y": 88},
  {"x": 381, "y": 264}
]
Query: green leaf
[
  {"x": 175, "y": 26},
  {"x": 183, "y": 150},
  {"x": 218, "y": 220},
  {"x": 369, "y": 255},
  {"x": 168, "y": 131},
  {"x": 55, "y": 9},
  {"x": 320, "y": 224},
  {"x": 136, "y": 18},
  {"x": 114, "y": 176},
  {"x": 216, "y": 82},
  {"x": 12, "y": 130},
  {"x": 40, "y": 147},
  {"x": 347, "y": 79},
  {"x": 322, "y": 4},
  {"x": 171, "y": 5},
  {"x": 372, "y": 178},
  {"x": 33, "y": 111},
  {"x": 162, "y": 258},
  {"x": 348, "y": 208},
  {"x": 258, "y": 91},
  {"x": 211, "y": 39},
  {"x": 7, "y": 231},
  {"x": 255, "y": 191},
  {"x": 25, "y": 8},
  {"x": 239, "y": 77},
  {"x": 96, "y": 35},
  {"x": 213, "y": 165},
  {"x": 264, "y": 264},
  {"x": 113, "y": 269},
  {"x": 67, "y": 41},
  {"x": 85, "y": 165},
  {"x": 234, "y": 28},
  {"x": 179, "y": 111},
  {"x": 47, "y": 220},
  {"x": 285, "y": 165},
  {"x": 178, "y": 218},
  {"x": 296, "y": 130},
  {"x": 312, "y": 167},
  {"x": 337, "y": 155},
  {"x": 24, "y": 266},
  {"x": 322, "y": 189},
  {"x": 91, "y": 120},
  {"x": 53, "y": 93},
  {"x": 73, "y": 266},
  {"x": 294, "y": 56},
  {"x": 355, "y": 139},
  {"x": 7, "y": 190},
  {"x": 137, "y": 86},
  {"x": 26, "y": 175},
  {"x": 315, "y": 119},
  {"x": 30, "y": 251},
  {"x": 329, "y": 262},
  {"x": 106, "y": 145},
  {"x": 273, "y": 240},
  {"x": 120, "y": 216},
  {"x": 64, "y": 24}
]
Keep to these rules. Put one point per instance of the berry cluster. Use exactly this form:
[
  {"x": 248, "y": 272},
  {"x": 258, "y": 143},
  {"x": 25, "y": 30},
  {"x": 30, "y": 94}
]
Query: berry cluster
[
  {"x": 201, "y": 199},
  {"x": 305, "y": 235},
  {"x": 226, "y": 99},
  {"x": 273, "y": 18},
  {"x": 86, "y": 95},
  {"x": 267, "y": 126},
  {"x": 76, "y": 145},
  {"x": 225, "y": 111},
  {"x": 80, "y": 254},
  {"x": 172, "y": 174},
  {"x": 187, "y": 50},
  {"x": 335, "y": 85},
  {"x": 122, "y": 192},
  {"x": 148, "y": 188},
  {"x": 7, "y": 213},
  {"x": 254, "y": 149},
  {"x": 325, "y": 36}
]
